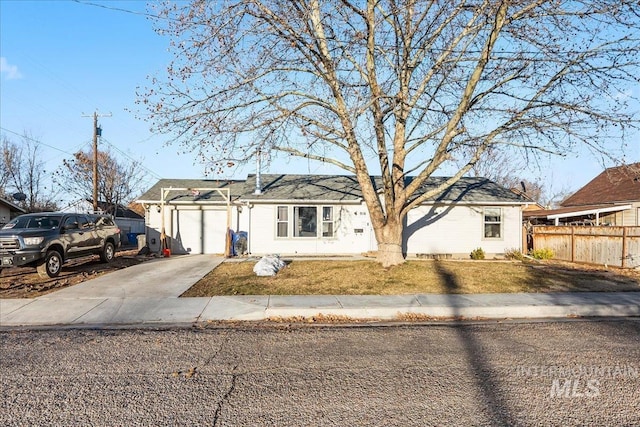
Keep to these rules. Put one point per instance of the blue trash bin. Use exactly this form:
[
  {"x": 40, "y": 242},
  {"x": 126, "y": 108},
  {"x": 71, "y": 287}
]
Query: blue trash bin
[
  {"x": 132, "y": 238},
  {"x": 240, "y": 243}
]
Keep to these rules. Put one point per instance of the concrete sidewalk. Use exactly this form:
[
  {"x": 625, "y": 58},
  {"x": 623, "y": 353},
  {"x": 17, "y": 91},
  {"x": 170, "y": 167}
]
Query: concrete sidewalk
[{"x": 149, "y": 293}]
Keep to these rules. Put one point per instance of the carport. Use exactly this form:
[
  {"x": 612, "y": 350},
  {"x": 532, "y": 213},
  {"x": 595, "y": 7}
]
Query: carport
[{"x": 561, "y": 215}]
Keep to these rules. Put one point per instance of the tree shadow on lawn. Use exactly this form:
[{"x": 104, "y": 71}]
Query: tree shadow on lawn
[{"x": 561, "y": 277}]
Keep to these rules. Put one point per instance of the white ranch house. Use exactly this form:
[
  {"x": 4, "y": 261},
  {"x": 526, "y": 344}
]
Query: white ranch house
[
  {"x": 8, "y": 211},
  {"x": 325, "y": 215}
]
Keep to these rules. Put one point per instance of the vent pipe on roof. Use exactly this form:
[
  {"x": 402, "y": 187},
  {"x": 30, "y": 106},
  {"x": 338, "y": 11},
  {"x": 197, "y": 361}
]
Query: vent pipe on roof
[{"x": 258, "y": 184}]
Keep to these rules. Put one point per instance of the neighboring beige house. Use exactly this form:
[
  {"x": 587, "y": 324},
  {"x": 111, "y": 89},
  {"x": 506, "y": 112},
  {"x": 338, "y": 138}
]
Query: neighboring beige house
[
  {"x": 611, "y": 198},
  {"x": 326, "y": 214},
  {"x": 8, "y": 211}
]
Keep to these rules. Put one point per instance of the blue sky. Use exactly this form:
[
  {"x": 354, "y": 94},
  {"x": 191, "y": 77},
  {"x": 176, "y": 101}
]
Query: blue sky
[{"x": 64, "y": 59}]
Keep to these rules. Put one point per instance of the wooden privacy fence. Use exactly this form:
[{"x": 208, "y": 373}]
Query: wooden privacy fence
[{"x": 615, "y": 246}]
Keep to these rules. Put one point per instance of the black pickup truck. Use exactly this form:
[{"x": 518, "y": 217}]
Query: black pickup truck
[{"x": 47, "y": 240}]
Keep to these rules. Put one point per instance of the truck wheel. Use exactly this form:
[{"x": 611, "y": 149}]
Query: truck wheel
[
  {"x": 51, "y": 265},
  {"x": 108, "y": 252}
]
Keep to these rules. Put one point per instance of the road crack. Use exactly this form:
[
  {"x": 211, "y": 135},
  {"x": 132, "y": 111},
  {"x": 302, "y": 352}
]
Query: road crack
[{"x": 225, "y": 397}]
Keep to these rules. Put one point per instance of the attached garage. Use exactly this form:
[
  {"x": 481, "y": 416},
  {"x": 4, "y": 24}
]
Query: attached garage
[
  {"x": 198, "y": 230},
  {"x": 194, "y": 214}
]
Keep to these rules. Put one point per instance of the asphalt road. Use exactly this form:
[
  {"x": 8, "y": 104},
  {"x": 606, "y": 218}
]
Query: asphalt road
[{"x": 539, "y": 373}]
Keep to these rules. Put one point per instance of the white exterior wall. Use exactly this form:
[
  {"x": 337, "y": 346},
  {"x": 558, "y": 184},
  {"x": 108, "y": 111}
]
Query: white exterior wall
[
  {"x": 191, "y": 229},
  {"x": 457, "y": 230},
  {"x": 260, "y": 223},
  {"x": 5, "y": 215}
]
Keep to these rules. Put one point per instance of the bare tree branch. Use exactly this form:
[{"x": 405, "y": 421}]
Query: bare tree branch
[
  {"x": 23, "y": 172},
  {"x": 397, "y": 87}
]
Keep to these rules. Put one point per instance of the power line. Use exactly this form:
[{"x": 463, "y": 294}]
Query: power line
[
  {"x": 142, "y": 166},
  {"x": 36, "y": 141},
  {"x": 118, "y": 9},
  {"x": 151, "y": 172}
]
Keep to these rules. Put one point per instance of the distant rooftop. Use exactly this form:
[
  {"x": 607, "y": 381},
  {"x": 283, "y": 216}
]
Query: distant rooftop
[{"x": 613, "y": 185}]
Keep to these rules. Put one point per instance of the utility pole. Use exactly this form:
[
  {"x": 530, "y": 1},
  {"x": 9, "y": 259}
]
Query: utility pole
[{"x": 97, "y": 131}]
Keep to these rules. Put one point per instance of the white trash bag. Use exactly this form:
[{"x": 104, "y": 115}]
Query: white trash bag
[{"x": 268, "y": 265}]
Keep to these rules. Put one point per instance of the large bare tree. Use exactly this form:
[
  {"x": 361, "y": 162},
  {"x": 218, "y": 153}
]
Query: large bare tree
[
  {"x": 118, "y": 180},
  {"x": 9, "y": 150},
  {"x": 395, "y": 88},
  {"x": 22, "y": 172}
]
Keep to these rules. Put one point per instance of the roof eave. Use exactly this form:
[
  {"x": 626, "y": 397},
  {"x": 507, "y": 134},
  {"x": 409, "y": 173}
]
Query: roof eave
[
  {"x": 477, "y": 203},
  {"x": 294, "y": 201}
]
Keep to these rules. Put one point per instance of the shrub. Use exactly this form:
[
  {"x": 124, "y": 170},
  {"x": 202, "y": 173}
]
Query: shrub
[
  {"x": 477, "y": 253},
  {"x": 543, "y": 253},
  {"x": 513, "y": 254}
]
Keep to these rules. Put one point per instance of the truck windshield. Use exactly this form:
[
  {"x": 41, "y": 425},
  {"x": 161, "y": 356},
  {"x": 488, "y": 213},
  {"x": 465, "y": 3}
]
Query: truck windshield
[{"x": 34, "y": 222}]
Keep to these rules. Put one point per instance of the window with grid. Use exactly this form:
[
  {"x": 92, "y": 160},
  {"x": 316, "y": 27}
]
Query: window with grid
[
  {"x": 282, "y": 221},
  {"x": 327, "y": 221},
  {"x": 305, "y": 221},
  {"x": 492, "y": 223}
]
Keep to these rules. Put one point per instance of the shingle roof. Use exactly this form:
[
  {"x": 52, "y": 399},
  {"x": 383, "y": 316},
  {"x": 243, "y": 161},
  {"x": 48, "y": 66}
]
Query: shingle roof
[
  {"x": 473, "y": 190},
  {"x": 121, "y": 211},
  {"x": 304, "y": 187},
  {"x": 346, "y": 188},
  {"x": 618, "y": 184},
  {"x": 339, "y": 188}
]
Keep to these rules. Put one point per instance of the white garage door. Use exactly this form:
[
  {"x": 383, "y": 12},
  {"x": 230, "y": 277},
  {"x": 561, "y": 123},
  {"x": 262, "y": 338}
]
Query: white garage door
[{"x": 199, "y": 231}]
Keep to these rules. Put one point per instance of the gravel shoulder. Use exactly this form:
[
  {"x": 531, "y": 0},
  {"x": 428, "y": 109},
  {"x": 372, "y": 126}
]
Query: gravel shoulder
[{"x": 25, "y": 282}]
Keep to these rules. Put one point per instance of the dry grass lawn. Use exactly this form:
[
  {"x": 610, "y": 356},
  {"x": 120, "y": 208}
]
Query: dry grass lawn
[{"x": 329, "y": 277}]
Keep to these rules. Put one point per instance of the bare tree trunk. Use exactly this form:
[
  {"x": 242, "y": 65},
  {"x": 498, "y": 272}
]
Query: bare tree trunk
[
  {"x": 389, "y": 238},
  {"x": 409, "y": 93}
]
